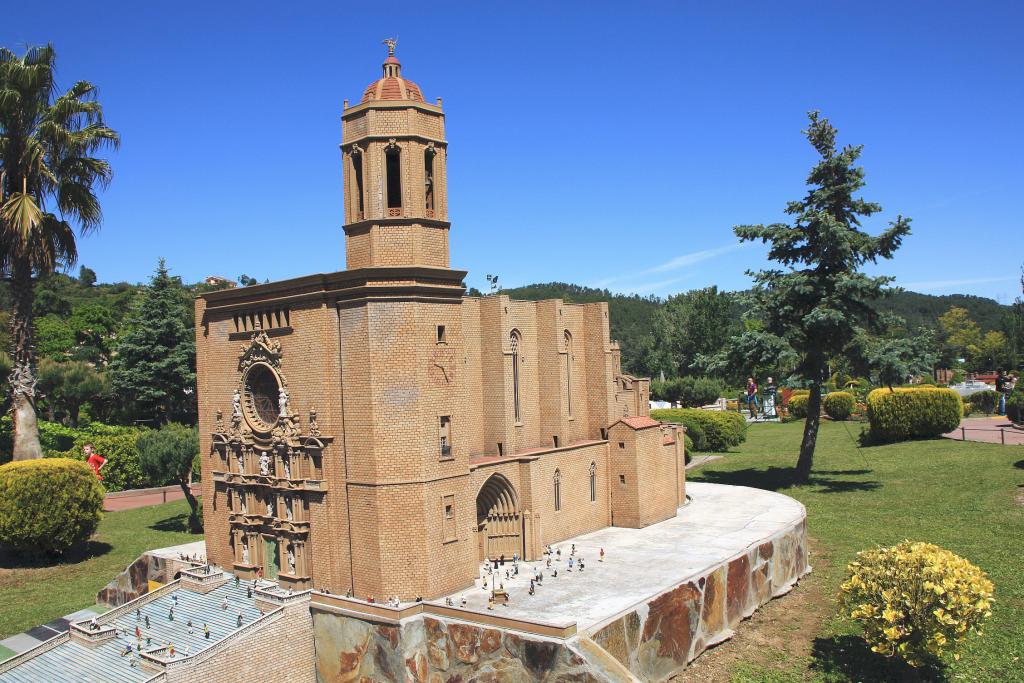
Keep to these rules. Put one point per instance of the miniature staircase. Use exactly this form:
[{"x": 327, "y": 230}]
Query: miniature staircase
[{"x": 91, "y": 655}]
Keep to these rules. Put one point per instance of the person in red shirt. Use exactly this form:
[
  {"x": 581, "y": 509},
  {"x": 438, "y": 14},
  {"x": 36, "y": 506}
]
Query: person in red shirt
[{"x": 94, "y": 460}]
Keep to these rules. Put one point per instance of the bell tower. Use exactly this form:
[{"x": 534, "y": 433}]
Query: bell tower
[
  {"x": 396, "y": 208},
  {"x": 405, "y": 435}
]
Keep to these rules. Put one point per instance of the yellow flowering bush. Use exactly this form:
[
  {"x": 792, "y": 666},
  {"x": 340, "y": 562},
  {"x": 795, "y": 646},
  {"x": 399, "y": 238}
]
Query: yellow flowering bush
[{"x": 915, "y": 599}]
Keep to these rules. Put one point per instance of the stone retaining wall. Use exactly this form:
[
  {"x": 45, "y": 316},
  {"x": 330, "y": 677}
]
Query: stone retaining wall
[
  {"x": 659, "y": 638},
  {"x": 428, "y": 649}
]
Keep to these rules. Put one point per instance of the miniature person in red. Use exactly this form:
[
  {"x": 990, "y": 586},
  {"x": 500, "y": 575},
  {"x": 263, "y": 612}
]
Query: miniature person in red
[{"x": 94, "y": 460}]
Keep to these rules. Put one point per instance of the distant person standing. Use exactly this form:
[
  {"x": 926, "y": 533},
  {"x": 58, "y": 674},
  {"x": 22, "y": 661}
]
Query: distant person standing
[
  {"x": 1004, "y": 387},
  {"x": 770, "y": 393},
  {"x": 752, "y": 397},
  {"x": 94, "y": 460}
]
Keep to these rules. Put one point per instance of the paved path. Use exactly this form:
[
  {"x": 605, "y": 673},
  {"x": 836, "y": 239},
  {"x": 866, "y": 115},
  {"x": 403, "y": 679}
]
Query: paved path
[
  {"x": 138, "y": 498},
  {"x": 994, "y": 429}
]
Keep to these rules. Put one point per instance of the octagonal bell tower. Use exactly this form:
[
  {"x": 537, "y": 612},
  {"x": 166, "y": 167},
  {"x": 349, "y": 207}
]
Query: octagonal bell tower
[{"x": 396, "y": 208}]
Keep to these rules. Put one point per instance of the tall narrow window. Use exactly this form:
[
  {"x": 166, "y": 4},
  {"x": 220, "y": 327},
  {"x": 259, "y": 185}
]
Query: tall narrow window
[
  {"x": 568, "y": 369},
  {"x": 514, "y": 343},
  {"x": 393, "y": 157},
  {"x": 593, "y": 482},
  {"x": 446, "y": 443},
  {"x": 357, "y": 174},
  {"x": 558, "y": 490},
  {"x": 428, "y": 179}
]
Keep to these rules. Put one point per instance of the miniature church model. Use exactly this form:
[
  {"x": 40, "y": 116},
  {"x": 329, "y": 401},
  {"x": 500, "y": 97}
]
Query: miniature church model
[{"x": 376, "y": 432}]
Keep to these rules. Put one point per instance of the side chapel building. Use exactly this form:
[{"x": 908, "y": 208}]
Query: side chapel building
[{"x": 375, "y": 430}]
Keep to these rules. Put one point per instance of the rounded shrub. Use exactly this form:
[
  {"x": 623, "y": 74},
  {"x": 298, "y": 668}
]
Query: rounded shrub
[
  {"x": 968, "y": 408},
  {"x": 798, "y": 404},
  {"x": 985, "y": 401},
  {"x": 710, "y": 430},
  {"x": 48, "y": 505},
  {"x": 839, "y": 405},
  {"x": 901, "y": 414},
  {"x": 915, "y": 600},
  {"x": 1015, "y": 406}
]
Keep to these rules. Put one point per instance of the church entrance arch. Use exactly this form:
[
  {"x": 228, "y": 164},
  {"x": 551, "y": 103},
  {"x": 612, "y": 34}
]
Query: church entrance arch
[{"x": 499, "y": 519}]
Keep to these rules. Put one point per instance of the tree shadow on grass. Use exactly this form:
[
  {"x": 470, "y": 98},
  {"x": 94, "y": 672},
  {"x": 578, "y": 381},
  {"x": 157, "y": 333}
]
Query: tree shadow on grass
[
  {"x": 850, "y": 658},
  {"x": 178, "y": 523},
  {"x": 1019, "y": 464},
  {"x": 776, "y": 478},
  {"x": 12, "y": 559}
]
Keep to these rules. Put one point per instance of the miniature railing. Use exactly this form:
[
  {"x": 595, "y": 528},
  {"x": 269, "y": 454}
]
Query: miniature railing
[
  {"x": 198, "y": 576},
  {"x": 282, "y": 597},
  {"x": 1002, "y": 433},
  {"x": 92, "y": 635},
  {"x": 39, "y": 649}
]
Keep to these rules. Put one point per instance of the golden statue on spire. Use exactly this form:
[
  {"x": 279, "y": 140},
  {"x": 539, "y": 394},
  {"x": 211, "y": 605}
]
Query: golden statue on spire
[{"x": 391, "y": 43}]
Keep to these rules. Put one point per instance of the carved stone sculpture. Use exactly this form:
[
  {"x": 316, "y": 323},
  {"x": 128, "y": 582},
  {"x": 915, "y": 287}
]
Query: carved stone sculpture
[
  {"x": 264, "y": 464},
  {"x": 282, "y": 402},
  {"x": 245, "y": 550},
  {"x": 236, "y": 404},
  {"x": 291, "y": 560}
]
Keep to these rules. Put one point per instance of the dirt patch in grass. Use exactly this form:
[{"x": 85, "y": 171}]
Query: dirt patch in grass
[
  {"x": 778, "y": 636},
  {"x": 1018, "y": 499}
]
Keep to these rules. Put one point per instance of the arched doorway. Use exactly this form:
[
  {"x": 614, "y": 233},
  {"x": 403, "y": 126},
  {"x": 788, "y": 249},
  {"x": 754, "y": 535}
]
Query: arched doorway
[{"x": 498, "y": 518}]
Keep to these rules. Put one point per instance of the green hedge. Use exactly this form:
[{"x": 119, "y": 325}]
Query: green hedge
[
  {"x": 798, "y": 404},
  {"x": 1015, "y": 406},
  {"x": 710, "y": 430},
  {"x": 903, "y": 414},
  {"x": 839, "y": 405},
  {"x": 122, "y": 470},
  {"x": 46, "y": 506},
  {"x": 986, "y": 401}
]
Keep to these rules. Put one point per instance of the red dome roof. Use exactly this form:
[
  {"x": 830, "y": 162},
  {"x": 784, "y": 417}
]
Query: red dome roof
[{"x": 392, "y": 86}]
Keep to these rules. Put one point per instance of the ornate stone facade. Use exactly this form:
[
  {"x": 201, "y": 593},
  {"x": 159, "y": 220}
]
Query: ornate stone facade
[{"x": 376, "y": 432}]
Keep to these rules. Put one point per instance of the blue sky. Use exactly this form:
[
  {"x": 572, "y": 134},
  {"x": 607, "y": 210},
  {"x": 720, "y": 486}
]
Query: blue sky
[{"x": 607, "y": 144}]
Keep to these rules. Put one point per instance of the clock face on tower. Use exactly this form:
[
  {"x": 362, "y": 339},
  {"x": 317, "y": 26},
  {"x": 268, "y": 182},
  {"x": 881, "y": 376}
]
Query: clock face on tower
[{"x": 441, "y": 366}]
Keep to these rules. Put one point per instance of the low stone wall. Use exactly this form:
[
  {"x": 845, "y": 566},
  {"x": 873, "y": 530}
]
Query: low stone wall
[
  {"x": 659, "y": 638},
  {"x": 429, "y": 649}
]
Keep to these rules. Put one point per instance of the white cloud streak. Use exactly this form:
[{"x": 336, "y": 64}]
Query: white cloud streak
[{"x": 675, "y": 263}]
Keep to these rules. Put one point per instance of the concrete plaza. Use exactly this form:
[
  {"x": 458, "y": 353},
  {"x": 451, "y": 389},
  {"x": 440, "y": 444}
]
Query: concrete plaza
[{"x": 718, "y": 524}]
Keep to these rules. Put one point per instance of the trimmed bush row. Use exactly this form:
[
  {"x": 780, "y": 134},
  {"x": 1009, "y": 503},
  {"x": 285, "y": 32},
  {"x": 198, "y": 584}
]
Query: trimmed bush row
[
  {"x": 115, "y": 443},
  {"x": 901, "y": 414},
  {"x": 1015, "y": 406},
  {"x": 709, "y": 430},
  {"x": 48, "y": 505},
  {"x": 986, "y": 401}
]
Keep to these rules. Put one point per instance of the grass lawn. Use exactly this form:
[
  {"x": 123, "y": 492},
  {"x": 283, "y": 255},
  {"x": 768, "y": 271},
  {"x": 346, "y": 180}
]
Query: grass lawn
[
  {"x": 961, "y": 496},
  {"x": 35, "y": 594}
]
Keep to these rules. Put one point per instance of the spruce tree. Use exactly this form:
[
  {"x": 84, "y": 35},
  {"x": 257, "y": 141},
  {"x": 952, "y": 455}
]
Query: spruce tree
[
  {"x": 153, "y": 370},
  {"x": 819, "y": 301}
]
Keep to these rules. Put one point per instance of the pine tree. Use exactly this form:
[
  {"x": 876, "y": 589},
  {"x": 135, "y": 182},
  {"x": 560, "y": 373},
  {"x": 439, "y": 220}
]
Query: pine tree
[
  {"x": 819, "y": 301},
  {"x": 153, "y": 370}
]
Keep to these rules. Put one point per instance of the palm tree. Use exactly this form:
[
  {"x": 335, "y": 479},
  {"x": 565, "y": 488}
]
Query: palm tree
[{"x": 47, "y": 178}]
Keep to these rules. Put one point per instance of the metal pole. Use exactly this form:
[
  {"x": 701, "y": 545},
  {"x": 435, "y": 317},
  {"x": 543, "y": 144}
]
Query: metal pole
[
  {"x": 963, "y": 434},
  {"x": 1002, "y": 435}
]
